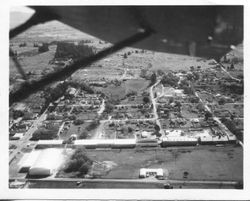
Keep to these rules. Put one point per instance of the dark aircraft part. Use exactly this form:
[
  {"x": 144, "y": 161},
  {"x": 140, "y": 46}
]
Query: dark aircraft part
[
  {"x": 178, "y": 29},
  {"x": 18, "y": 65},
  {"x": 28, "y": 88},
  {"x": 36, "y": 18}
]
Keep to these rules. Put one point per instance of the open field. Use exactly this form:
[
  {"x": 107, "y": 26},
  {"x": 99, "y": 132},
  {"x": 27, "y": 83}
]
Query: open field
[
  {"x": 51, "y": 31},
  {"x": 168, "y": 62},
  {"x": 201, "y": 163},
  {"x": 35, "y": 63},
  {"x": 115, "y": 92},
  {"x": 136, "y": 85},
  {"x": 74, "y": 129}
]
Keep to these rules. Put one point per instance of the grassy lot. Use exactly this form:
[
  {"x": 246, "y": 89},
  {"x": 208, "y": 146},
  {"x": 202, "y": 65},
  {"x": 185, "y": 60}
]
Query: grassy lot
[
  {"x": 201, "y": 163},
  {"x": 73, "y": 129},
  {"x": 206, "y": 163},
  {"x": 175, "y": 62},
  {"x": 115, "y": 92},
  {"x": 136, "y": 85},
  {"x": 38, "y": 62},
  {"x": 189, "y": 111}
]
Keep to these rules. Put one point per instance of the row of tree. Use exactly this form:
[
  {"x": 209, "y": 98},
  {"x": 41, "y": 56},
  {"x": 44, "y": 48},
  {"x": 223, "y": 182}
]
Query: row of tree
[
  {"x": 70, "y": 50},
  {"x": 79, "y": 162}
]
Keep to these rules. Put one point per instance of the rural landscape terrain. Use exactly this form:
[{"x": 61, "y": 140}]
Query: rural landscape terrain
[{"x": 135, "y": 119}]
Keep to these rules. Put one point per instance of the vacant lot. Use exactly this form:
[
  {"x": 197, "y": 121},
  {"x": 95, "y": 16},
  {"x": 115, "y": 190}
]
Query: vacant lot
[
  {"x": 175, "y": 62},
  {"x": 112, "y": 91},
  {"x": 74, "y": 129},
  {"x": 37, "y": 62},
  {"x": 136, "y": 85},
  {"x": 201, "y": 162}
]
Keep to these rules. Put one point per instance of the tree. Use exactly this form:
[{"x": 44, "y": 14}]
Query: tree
[
  {"x": 52, "y": 94},
  {"x": 231, "y": 125},
  {"x": 83, "y": 135},
  {"x": 43, "y": 48},
  {"x": 222, "y": 101},
  {"x": 143, "y": 73},
  {"x": 178, "y": 104},
  {"x": 72, "y": 166},
  {"x": 160, "y": 72},
  {"x": 79, "y": 162},
  {"x": 93, "y": 125},
  {"x": 130, "y": 130},
  {"x": 171, "y": 100},
  {"x": 183, "y": 83},
  {"x": 196, "y": 75},
  {"x": 194, "y": 99},
  {"x": 231, "y": 66},
  {"x": 152, "y": 79},
  {"x": 72, "y": 117},
  {"x": 157, "y": 127},
  {"x": 78, "y": 122},
  {"x": 190, "y": 76},
  {"x": 187, "y": 90},
  {"x": 84, "y": 168},
  {"x": 17, "y": 114},
  {"x": 200, "y": 107},
  {"x": 109, "y": 107},
  {"x": 131, "y": 93},
  {"x": 146, "y": 100},
  {"x": 170, "y": 79},
  {"x": 44, "y": 134},
  {"x": 207, "y": 115},
  {"x": 70, "y": 50}
]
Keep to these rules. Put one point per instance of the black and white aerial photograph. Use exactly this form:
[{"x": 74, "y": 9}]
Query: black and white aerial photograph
[{"x": 126, "y": 97}]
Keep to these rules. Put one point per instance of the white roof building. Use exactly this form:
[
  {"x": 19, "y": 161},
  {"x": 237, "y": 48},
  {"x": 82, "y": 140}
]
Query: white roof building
[
  {"x": 28, "y": 160},
  {"x": 18, "y": 135},
  {"x": 180, "y": 139},
  {"x": 102, "y": 143},
  {"x": 146, "y": 172},
  {"x": 47, "y": 162},
  {"x": 49, "y": 142},
  {"x": 86, "y": 142},
  {"x": 173, "y": 133},
  {"x": 145, "y": 134}
]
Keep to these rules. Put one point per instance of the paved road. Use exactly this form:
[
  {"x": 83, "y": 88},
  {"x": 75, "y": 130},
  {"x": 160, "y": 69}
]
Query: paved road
[
  {"x": 24, "y": 141},
  {"x": 99, "y": 130},
  {"x": 124, "y": 74},
  {"x": 234, "y": 78},
  {"x": 225, "y": 71},
  {"x": 153, "y": 99},
  {"x": 127, "y": 183},
  {"x": 102, "y": 107}
]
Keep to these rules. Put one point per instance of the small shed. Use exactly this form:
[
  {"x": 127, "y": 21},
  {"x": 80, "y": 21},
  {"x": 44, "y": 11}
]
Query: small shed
[{"x": 146, "y": 172}]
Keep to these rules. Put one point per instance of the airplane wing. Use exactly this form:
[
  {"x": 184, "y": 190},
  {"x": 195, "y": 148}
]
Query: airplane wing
[{"x": 205, "y": 31}]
